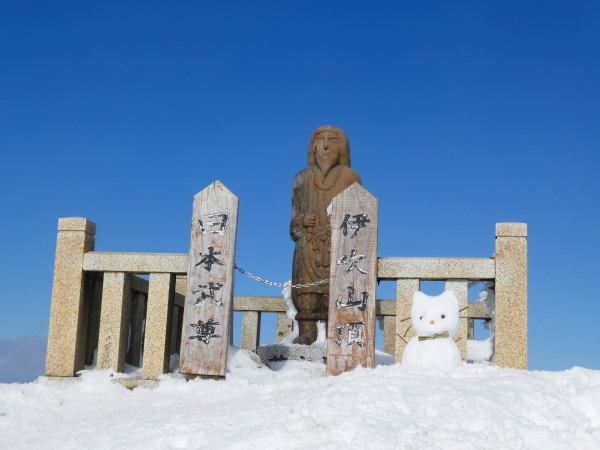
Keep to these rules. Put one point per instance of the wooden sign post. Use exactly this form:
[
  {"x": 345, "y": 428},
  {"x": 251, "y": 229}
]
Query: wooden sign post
[
  {"x": 207, "y": 316},
  {"x": 353, "y": 281}
]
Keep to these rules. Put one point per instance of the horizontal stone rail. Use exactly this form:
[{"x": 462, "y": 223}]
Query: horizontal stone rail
[
  {"x": 252, "y": 307},
  {"x": 475, "y": 310},
  {"x": 387, "y": 268},
  {"x": 140, "y": 263},
  {"x": 432, "y": 269}
]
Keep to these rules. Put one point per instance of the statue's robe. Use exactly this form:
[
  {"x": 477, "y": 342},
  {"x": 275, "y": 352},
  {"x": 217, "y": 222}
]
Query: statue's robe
[{"x": 313, "y": 244}]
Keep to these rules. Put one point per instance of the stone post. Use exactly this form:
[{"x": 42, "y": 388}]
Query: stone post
[
  {"x": 250, "y": 330},
  {"x": 284, "y": 326},
  {"x": 159, "y": 317},
  {"x": 389, "y": 335},
  {"x": 136, "y": 322},
  {"x": 114, "y": 321},
  {"x": 511, "y": 295},
  {"x": 67, "y": 333},
  {"x": 470, "y": 329},
  {"x": 175, "y": 332},
  {"x": 405, "y": 288}
]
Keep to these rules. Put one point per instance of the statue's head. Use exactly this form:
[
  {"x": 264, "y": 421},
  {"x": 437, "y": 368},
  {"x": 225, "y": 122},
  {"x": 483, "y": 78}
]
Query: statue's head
[{"x": 329, "y": 142}]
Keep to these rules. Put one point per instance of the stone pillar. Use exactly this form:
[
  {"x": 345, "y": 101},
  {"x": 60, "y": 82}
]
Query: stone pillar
[
  {"x": 137, "y": 320},
  {"x": 114, "y": 321},
  {"x": 92, "y": 303},
  {"x": 67, "y": 333},
  {"x": 405, "y": 288},
  {"x": 250, "y": 330},
  {"x": 177, "y": 310},
  {"x": 461, "y": 289},
  {"x": 470, "y": 329},
  {"x": 159, "y": 316},
  {"x": 511, "y": 295},
  {"x": 389, "y": 334},
  {"x": 284, "y": 326}
]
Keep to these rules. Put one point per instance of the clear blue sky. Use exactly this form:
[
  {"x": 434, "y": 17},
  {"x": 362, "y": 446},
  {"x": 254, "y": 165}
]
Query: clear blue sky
[{"x": 459, "y": 114}]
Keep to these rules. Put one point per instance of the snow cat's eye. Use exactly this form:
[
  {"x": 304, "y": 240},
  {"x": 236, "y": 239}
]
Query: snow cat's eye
[
  {"x": 421, "y": 318},
  {"x": 443, "y": 316}
]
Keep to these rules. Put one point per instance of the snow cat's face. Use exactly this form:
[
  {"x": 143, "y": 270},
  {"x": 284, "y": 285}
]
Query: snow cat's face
[{"x": 434, "y": 315}]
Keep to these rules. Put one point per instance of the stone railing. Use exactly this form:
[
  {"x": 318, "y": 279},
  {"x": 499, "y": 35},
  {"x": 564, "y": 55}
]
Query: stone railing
[{"x": 100, "y": 302}]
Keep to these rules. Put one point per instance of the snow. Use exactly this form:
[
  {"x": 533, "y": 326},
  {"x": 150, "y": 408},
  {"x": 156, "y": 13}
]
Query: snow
[
  {"x": 484, "y": 350},
  {"x": 480, "y": 350},
  {"x": 293, "y": 405},
  {"x": 291, "y": 312},
  {"x": 435, "y": 353},
  {"x": 297, "y": 406}
]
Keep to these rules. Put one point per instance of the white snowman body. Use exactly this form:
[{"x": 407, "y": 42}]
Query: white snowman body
[{"x": 430, "y": 318}]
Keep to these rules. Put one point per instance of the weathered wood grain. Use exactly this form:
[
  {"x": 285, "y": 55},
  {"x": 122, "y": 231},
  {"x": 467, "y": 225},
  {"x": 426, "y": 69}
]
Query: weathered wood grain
[
  {"x": 209, "y": 295},
  {"x": 353, "y": 281}
]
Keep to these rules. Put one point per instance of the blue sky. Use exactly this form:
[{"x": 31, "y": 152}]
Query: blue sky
[{"x": 459, "y": 114}]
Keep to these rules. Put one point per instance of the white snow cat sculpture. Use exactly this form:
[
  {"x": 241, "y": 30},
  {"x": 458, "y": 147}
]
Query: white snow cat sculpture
[{"x": 435, "y": 320}]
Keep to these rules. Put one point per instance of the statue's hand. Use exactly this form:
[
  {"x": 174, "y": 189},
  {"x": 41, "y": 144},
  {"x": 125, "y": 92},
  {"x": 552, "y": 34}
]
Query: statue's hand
[
  {"x": 309, "y": 221},
  {"x": 296, "y": 234}
]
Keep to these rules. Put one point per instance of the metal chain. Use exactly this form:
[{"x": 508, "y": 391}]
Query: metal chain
[{"x": 271, "y": 283}]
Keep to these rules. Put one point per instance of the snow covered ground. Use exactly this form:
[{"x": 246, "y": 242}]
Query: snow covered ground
[{"x": 297, "y": 406}]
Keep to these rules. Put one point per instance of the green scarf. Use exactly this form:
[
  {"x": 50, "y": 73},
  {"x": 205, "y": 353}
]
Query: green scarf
[{"x": 445, "y": 334}]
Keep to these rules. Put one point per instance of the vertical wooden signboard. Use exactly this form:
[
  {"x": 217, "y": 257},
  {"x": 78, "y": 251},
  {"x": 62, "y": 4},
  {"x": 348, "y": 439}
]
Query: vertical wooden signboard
[
  {"x": 353, "y": 281},
  {"x": 209, "y": 295}
]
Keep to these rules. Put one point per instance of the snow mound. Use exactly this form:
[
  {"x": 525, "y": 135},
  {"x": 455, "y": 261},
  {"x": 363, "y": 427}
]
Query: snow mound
[{"x": 297, "y": 406}]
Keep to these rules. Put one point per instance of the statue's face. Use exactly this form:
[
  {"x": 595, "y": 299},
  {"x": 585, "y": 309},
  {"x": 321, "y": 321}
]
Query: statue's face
[{"x": 327, "y": 147}]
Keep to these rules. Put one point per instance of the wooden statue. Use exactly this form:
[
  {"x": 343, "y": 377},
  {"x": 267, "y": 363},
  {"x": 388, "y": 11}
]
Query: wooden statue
[{"x": 328, "y": 173}]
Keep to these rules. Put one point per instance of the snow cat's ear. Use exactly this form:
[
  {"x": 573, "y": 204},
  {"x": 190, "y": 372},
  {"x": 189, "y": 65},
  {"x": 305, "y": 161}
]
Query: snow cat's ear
[
  {"x": 450, "y": 297},
  {"x": 419, "y": 298}
]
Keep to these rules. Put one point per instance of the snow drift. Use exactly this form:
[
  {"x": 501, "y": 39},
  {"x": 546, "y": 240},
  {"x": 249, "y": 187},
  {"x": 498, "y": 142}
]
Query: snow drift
[{"x": 296, "y": 406}]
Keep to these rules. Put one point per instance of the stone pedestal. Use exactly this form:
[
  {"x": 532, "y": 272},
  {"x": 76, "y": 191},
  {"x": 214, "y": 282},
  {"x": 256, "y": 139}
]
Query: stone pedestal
[{"x": 275, "y": 353}]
